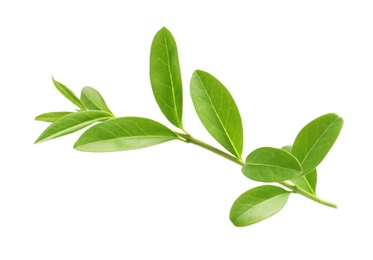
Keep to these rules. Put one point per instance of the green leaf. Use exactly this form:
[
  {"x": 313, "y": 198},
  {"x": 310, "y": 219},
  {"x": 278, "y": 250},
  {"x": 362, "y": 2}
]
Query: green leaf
[
  {"x": 269, "y": 164},
  {"x": 287, "y": 148},
  {"x": 258, "y": 204},
  {"x": 51, "y": 116},
  {"x": 165, "y": 76},
  {"x": 93, "y": 100},
  {"x": 68, "y": 94},
  {"x": 217, "y": 111},
  {"x": 71, "y": 123},
  {"x": 126, "y": 133},
  {"x": 306, "y": 182},
  {"x": 315, "y": 140}
]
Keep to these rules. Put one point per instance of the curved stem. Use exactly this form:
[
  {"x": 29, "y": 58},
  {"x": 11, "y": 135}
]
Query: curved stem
[{"x": 190, "y": 139}]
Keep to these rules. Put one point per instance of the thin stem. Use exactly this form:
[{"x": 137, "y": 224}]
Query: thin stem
[
  {"x": 190, "y": 139},
  {"x": 308, "y": 195}
]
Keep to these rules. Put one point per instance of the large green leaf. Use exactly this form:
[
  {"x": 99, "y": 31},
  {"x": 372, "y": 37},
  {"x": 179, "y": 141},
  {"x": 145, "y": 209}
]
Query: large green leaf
[
  {"x": 126, "y": 133},
  {"x": 165, "y": 76},
  {"x": 65, "y": 91},
  {"x": 269, "y": 164},
  {"x": 51, "y": 116},
  {"x": 93, "y": 100},
  {"x": 71, "y": 123},
  {"x": 314, "y": 141},
  {"x": 258, "y": 204},
  {"x": 306, "y": 182},
  {"x": 217, "y": 111}
]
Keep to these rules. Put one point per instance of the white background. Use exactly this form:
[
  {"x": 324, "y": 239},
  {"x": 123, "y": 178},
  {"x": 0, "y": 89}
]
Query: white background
[{"x": 285, "y": 63}]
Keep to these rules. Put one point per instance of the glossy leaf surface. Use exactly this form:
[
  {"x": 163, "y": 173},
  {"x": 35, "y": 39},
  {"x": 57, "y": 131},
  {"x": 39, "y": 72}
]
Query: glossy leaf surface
[
  {"x": 165, "y": 76},
  {"x": 93, "y": 100},
  {"x": 314, "y": 141},
  {"x": 71, "y": 123},
  {"x": 258, "y": 204},
  {"x": 269, "y": 164},
  {"x": 67, "y": 93},
  {"x": 126, "y": 133},
  {"x": 51, "y": 116},
  {"x": 217, "y": 111}
]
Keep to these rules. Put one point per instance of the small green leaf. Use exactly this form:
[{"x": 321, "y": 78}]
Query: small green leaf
[
  {"x": 93, "y": 100},
  {"x": 315, "y": 140},
  {"x": 126, "y": 133},
  {"x": 287, "y": 148},
  {"x": 217, "y": 111},
  {"x": 258, "y": 204},
  {"x": 68, "y": 94},
  {"x": 165, "y": 76},
  {"x": 307, "y": 182},
  {"x": 51, "y": 116},
  {"x": 269, "y": 164},
  {"x": 71, "y": 123}
]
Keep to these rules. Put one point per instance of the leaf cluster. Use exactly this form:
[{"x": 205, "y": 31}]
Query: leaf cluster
[{"x": 293, "y": 167}]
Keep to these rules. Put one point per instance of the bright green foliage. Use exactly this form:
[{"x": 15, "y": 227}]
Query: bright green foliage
[
  {"x": 165, "y": 76},
  {"x": 217, "y": 111},
  {"x": 93, "y": 100},
  {"x": 287, "y": 148},
  {"x": 71, "y": 123},
  {"x": 314, "y": 141},
  {"x": 306, "y": 182},
  {"x": 126, "y": 133},
  {"x": 258, "y": 204},
  {"x": 219, "y": 114},
  {"x": 269, "y": 164},
  {"x": 51, "y": 116},
  {"x": 67, "y": 93}
]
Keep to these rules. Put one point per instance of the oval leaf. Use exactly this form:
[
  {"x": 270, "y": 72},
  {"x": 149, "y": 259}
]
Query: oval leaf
[
  {"x": 217, "y": 111},
  {"x": 258, "y": 204},
  {"x": 165, "y": 76},
  {"x": 51, "y": 116},
  {"x": 93, "y": 100},
  {"x": 315, "y": 140},
  {"x": 269, "y": 164},
  {"x": 126, "y": 133},
  {"x": 71, "y": 123},
  {"x": 67, "y": 93}
]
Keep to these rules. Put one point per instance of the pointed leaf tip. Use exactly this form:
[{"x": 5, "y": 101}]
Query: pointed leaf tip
[
  {"x": 71, "y": 123},
  {"x": 67, "y": 93},
  {"x": 51, "y": 116}
]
